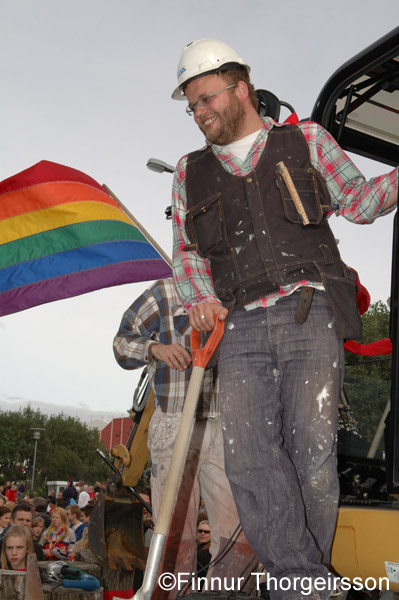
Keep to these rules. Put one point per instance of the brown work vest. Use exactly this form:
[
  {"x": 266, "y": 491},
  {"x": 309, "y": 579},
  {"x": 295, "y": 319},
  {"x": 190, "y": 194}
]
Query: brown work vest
[{"x": 250, "y": 230}]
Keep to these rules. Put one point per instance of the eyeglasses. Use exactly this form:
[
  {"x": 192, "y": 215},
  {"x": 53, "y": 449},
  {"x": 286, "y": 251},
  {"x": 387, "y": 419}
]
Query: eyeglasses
[
  {"x": 203, "y": 531},
  {"x": 206, "y": 100}
]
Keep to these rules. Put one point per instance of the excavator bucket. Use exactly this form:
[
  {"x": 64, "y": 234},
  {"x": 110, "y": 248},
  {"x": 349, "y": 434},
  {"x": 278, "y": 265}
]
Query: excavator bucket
[{"x": 116, "y": 531}]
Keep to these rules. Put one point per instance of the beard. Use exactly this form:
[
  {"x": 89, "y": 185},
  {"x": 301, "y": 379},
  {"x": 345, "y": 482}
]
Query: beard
[{"x": 230, "y": 124}]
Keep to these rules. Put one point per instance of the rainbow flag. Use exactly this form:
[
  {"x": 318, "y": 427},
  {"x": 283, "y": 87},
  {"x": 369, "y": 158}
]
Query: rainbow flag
[{"x": 62, "y": 235}]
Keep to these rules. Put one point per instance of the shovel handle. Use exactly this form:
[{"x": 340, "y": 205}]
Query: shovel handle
[{"x": 201, "y": 356}]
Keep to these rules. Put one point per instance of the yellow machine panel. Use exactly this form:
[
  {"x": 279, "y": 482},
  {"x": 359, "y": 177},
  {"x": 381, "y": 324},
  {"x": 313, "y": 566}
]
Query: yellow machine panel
[{"x": 366, "y": 545}]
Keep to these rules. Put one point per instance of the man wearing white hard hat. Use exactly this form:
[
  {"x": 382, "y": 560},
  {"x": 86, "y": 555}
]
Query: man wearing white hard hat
[{"x": 252, "y": 245}]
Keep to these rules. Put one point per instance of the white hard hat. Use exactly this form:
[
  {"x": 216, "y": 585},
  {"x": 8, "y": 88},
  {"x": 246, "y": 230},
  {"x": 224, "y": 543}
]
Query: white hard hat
[{"x": 204, "y": 57}]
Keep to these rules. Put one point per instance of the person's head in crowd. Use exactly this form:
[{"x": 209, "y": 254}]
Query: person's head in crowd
[
  {"x": 59, "y": 520},
  {"x": 21, "y": 514},
  {"x": 51, "y": 504},
  {"x": 16, "y": 545},
  {"x": 85, "y": 514},
  {"x": 203, "y": 533},
  {"x": 76, "y": 514},
  {"x": 60, "y": 502},
  {"x": 5, "y": 517},
  {"x": 3, "y": 500},
  {"x": 37, "y": 528},
  {"x": 39, "y": 504},
  {"x": 202, "y": 516},
  {"x": 73, "y": 514}
]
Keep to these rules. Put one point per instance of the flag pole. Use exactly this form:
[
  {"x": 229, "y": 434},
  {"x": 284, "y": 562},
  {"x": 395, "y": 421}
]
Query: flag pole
[{"x": 145, "y": 233}]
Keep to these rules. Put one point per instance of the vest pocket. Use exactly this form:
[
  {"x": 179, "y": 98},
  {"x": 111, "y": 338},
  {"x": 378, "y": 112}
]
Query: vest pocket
[
  {"x": 305, "y": 183},
  {"x": 204, "y": 225}
]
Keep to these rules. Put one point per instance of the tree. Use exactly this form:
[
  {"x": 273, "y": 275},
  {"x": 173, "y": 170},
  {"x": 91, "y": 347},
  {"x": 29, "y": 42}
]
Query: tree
[
  {"x": 368, "y": 379},
  {"x": 375, "y": 323},
  {"x": 67, "y": 448}
]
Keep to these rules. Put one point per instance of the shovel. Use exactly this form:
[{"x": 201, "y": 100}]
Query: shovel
[{"x": 201, "y": 357}]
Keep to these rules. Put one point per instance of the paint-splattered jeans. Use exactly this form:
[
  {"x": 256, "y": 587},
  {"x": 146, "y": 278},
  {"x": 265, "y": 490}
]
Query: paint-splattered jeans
[{"x": 280, "y": 384}]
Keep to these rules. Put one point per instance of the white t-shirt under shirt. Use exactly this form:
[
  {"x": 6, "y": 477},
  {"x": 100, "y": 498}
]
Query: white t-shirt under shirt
[{"x": 241, "y": 147}]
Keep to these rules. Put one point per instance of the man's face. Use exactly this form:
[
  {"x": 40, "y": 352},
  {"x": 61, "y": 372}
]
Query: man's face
[
  {"x": 222, "y": 121},
  {"x": 69, "y": 514},
  {"x": 22, "y": 517}
]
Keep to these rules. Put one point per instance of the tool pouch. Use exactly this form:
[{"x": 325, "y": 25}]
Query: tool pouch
[{"x": 342, "y": 295}]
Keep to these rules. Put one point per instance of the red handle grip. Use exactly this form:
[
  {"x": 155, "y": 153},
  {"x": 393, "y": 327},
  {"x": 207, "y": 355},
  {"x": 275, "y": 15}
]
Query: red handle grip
[{"x": 201, "y": 356}]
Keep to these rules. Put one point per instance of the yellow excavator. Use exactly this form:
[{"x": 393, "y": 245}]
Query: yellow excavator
[{"x": 359, "y": 105}]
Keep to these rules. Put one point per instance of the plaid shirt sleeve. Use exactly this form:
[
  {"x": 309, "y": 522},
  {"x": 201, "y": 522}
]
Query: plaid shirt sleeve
[
  {"x": 138, "y": 330},
  {"x": 353, "y": 197},
  {"x": 192, "y": 274},
  {"x": 158, "y": 316}
]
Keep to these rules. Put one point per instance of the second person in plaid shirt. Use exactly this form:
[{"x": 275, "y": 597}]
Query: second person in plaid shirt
[{"x": 155, "y": 332}]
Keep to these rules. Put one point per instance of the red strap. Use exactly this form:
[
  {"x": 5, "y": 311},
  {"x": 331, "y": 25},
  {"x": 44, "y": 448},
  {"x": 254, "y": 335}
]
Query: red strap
[
  {"x": 120, "y": 593},
  {"x": 375, "y": 348}
]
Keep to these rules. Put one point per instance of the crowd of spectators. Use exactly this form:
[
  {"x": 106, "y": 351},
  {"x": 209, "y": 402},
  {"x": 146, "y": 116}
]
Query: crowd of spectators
[{"x": 55, "y": 528}]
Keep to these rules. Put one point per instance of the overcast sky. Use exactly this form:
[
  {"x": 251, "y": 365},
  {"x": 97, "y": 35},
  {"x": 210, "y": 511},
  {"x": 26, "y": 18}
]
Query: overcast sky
[{"x": 87, "y": 83}]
